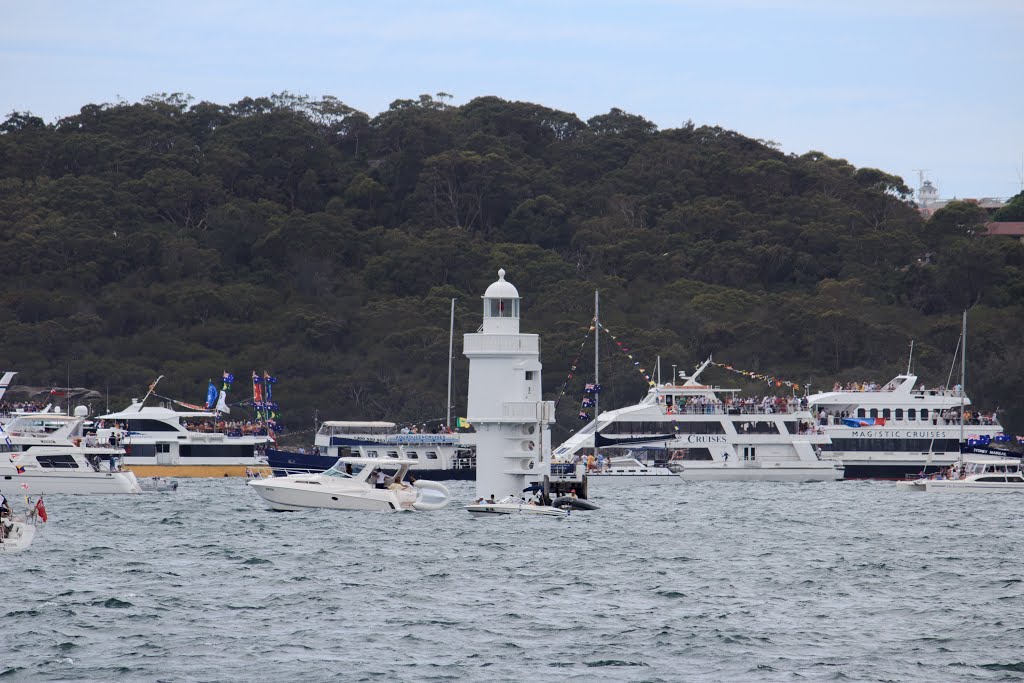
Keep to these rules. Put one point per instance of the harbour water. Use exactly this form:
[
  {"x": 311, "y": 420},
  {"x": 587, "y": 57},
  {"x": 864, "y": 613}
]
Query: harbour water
[{"x": 709, "y": 581}]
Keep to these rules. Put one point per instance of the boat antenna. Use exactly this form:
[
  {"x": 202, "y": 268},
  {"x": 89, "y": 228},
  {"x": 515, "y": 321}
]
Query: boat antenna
[
  {"x": 597, "y": 362},
  {"x": 911, "y": 358},
  {"x": 451, "y": 337}
]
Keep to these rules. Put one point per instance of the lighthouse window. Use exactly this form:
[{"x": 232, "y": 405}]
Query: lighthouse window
[
  {"x": 503, "y": 308},
  {"x": 529, "y": 375}
]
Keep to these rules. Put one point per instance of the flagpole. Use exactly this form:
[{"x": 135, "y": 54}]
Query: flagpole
[
  {"x": 151, "y": 388},
  {"x": 597, "y": 362},
  {"x": 451, "y": 338}
]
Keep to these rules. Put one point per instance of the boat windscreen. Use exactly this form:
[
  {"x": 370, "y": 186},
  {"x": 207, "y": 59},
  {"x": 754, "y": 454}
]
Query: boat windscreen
[{"x": 336, "y": 471}]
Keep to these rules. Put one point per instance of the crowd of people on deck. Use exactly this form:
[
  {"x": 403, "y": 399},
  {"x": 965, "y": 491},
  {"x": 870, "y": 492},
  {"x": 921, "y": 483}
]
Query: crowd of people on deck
[
  {"x": 875, "y": 386},
  {"x": 422, "y": 429},
  {"x": 228, "y": 427},
  {"x": 706, "y": 405},
  {"x": 935, "y": 417},
  {"x": 7, "y": 407}
]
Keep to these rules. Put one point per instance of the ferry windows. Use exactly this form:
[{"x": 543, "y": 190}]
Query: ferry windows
[
  {"x": 392, "y": 454},
  {"x": 861, "y": 412},
  {"x": 657, "y": 428},
  {"x": 924, "y": 413},
  {"x": 163, "y": 448},
  {"x": 431, "y": 455},
  {"x": 371, "y": 454},
  {"x": 899, "y": 413},
  {"x": 412, "y": 455},
  {"x": 696, "y": 454},
  {"x": 150, "y": 426},
  {"x": 886, "y": 413},
  {"x": 874, "y": 412},
  {"x": 911, "y": 413}
]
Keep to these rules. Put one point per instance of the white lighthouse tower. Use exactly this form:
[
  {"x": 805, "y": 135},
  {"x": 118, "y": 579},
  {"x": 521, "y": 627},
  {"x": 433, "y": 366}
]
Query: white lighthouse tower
[{"x": 504, "y": 404}]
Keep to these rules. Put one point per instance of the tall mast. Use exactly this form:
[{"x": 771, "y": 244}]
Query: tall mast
[
  {"x": 597, "y": 344},
  {"x": 963, "y": 382},
  {"x": 911, "y": 358},
  {"x": 451, "y": 337}
]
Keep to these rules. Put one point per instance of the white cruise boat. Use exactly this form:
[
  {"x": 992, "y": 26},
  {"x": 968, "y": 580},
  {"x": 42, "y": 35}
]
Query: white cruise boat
[
  {"x": 435, "y": 455},
  {"x": 896, "y": 430},
  {"x": 712, "y": 434},
  {"x": 51, "y": 453},
  {"x": 973, "y": 474},
  {"x": 162, "y": 442},
  {"x": 338, "y": 489},
  {"x": 630, "y": 470}
]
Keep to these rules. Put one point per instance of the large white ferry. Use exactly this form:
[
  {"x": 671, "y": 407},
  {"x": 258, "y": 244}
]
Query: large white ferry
[
  {"x": 162, "y": 442},
  {"x": 46, "y": 453},
  {"x": 897, "y": 429},
  {"x": 433, "y": 455},
  {"x": 712, "y": 434}
]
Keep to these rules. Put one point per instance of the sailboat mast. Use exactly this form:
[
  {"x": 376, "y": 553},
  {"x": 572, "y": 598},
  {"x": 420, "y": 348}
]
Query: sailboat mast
[
  {"x": 451, "y": 337},
  {"x": 597, "y": 363},
  {"x": 910, "y": 360},
  {"x": 963, "y": 382}
]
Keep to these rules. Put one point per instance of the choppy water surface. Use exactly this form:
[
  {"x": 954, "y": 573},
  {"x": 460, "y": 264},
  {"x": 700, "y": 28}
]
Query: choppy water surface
[{"x": 710, "y": 581}]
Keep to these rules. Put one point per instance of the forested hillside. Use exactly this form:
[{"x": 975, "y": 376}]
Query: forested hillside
[{"x": 308, "y": 239}]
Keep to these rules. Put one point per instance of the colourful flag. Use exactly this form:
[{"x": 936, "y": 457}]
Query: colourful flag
[
  {"x": 211, "y": 395},
  {"x": 41, "y": 509},
  {"x": 462, "y": 423},
  {"x": 20, "y": 469}
]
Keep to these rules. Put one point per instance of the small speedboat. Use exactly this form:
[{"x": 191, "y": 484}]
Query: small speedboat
[
  {"x": 338, "y": 488},
  {"x": 515, "y": 506},
  {"x": 158, "y": 484},
  {"x": 16, "y": 535},
  {"x": 973, "y": 475}
]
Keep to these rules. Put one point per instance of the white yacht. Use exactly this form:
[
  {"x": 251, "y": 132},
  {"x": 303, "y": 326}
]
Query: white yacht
[
  {"x": 898, "y": 429},
  {"x": 630, "y": 470},
  {"x": 339, "y": 489},
  {"x": 162, "y": 442},
  {"x": 436, "y": 456},
  {"x": 48, "y": 453},
  {"x": 973, "y": 474},
  {"x": 712, "y": 434}
]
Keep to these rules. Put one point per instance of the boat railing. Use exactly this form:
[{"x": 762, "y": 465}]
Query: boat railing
[{"x": 729, "y": 409}]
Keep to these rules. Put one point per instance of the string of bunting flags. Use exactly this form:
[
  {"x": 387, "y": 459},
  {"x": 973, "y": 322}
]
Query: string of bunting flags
[
  {"x": 625, "y": 350},
  {"x": 776, "y": 381}
]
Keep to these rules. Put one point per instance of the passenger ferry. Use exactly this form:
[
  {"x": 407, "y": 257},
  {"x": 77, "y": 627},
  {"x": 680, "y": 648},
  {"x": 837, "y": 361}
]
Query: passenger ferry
[
  {"x": 898, "y": 429},
  {"x": 712, "y": 434},
  {"x": 162, "y": 442},
  {"x": 435, "y": 456}
]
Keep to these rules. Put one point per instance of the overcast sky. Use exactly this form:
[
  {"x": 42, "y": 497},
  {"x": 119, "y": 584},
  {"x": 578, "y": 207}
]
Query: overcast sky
[{"x": 894, "y": 84}]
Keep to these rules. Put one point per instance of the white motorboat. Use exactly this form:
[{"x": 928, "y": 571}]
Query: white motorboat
[
  {"x": 514, "y": 506},
  {"x": 16, "y": 534},
  {"x": 338, "y": 489},
  {"x": 632, "y": 471},
  {"x": 158, "y": 484},
  {"x": 712, "y": 434},
  {"x": 47, "y": 453},
  {"x": 974, "y": 475}
]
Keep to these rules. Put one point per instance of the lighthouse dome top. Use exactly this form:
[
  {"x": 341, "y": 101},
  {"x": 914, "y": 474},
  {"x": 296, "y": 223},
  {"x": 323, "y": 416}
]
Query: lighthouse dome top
[{"x": 501, "y": 289}]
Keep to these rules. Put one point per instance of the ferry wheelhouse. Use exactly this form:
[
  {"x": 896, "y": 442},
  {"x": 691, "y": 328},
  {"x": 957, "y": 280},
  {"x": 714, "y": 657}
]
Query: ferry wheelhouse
[
  {"x": 705, "y": 432},
  {"x": 898, "y": 429}
]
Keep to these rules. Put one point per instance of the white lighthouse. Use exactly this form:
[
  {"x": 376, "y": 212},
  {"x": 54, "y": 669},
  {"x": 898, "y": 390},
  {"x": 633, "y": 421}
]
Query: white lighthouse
[{"x": 504, "y": 403}]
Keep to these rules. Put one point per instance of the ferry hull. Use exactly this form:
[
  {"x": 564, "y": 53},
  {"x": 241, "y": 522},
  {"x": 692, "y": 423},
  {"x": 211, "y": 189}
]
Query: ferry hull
[
  {"x": 191, "y": 471},
  {"x": 600, "y": 479},
  {"x": 896, "y": 472},
  {"x": 768, "y": 472},
  {"x": 947, "y": 486}
]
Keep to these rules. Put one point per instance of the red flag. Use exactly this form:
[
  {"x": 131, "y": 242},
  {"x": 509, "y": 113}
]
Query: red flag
[
  {"x": 41, "y": 509},
  {"x": 57, "y": 392}
]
